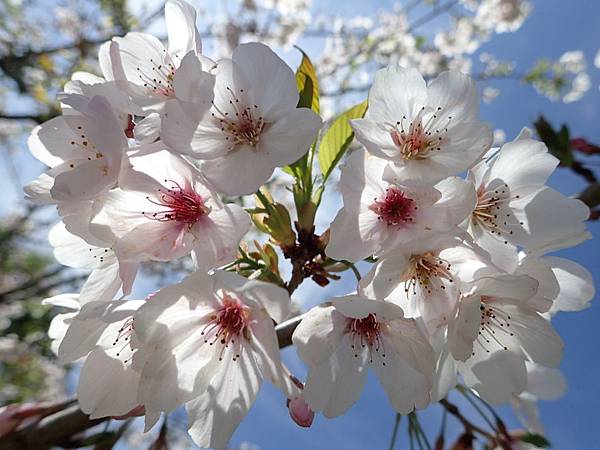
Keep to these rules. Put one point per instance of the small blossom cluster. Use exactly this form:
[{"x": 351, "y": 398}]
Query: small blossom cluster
[{"x": 140, "y": 161}]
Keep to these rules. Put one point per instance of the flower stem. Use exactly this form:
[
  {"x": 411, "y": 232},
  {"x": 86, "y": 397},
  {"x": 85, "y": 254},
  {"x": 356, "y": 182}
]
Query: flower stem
[{"x": 395, "y": 431}]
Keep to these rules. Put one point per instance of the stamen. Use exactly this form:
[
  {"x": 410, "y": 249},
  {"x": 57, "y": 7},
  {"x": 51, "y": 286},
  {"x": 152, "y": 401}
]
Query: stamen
[
  {"x": 492, "y": 212},
  {"x": 183, "y": 205},
  {"x": 160, "y": 80},
  {"x": 228, "y": 326},
  {"x": 494, "y": 326},
  {"x": 395, "y": 208},
  {"x": 366, "y": 332},
  {"x": 428, "y": 272},
  {"x": 421, "y": 139},
  {"x": 245, "y": 125}
]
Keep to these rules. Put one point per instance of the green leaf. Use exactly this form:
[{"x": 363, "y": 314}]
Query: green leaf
[
  {"x": 536, "y": 439},
  {"x": 308, "y": 84},
  {"x": 337, "y": 138}
]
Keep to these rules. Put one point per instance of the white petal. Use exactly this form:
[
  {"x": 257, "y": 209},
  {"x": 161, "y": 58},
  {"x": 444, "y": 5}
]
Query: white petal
[
  {"x": 347, "y": 240},
  {"x": 147, "y": 130},
  {"x": 498, "y": 378},
  {"x": 536, "y": 336},
  {"x": 219, "y": 234},
  {"x": 288, "y": 138},
  {"x": 456, "y": 94},
  {"x": 240, "y": 172},
  {"x": 518, "y": 287},
  {"x": 180, "y": 18},
  {"x": 334, "y": 385},
  {"x": 523, "y": 162},
  {"x": 406, "y": 387},
  {"x": 359, "y": 307},
  {"x": 215, "y": 415},
  {"x": 273, "y": 85},
  {"x": 319, "y": 334},
  {"x": 576, "y": 285},
  {"x": 552, "y": 227},
  {"x": 545, "y": 383},
  {"x": 462, "y": 332},
  {"x": 194, "y": 85},
  {"x": 267, "y": 356},
  {"x": 113, "y": 393},
  {"x": 396, "y": 92}
]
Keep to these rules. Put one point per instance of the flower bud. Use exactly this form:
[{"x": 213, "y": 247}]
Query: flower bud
[{"x": 300, "y": 412}]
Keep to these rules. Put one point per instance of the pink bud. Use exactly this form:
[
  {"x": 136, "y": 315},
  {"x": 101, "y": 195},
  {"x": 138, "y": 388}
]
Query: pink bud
[{"x": 300, "y": 412}]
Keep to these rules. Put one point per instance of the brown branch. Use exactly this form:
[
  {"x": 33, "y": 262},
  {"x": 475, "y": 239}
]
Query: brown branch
[
  {"x": 58, "y": 427},
  {"x": 591, "y": 195},
  {"x": 466, "y": 423},
  {"x": 32, "y": 282}
]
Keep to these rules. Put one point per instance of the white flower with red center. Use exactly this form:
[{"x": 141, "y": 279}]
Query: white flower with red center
[
  {"x": 107, "y": 275},
  {"x": 148, "y": 71},
  {"x": 426, "y": 132},
  {"x": 212, "y": 342},
  {"x": 515, "y": 208},
  {"x": 339, "y": 341},
  {"x": 164, "y": 209},
  {"x": 84, "y": 151},
  {"x": 102, "y": 335},
  {"x": 424, "y": 277},
  {"x": 377, "y": 216},
  {"x": 253, "y": 125},
  {"x": 498, "y": 328}
]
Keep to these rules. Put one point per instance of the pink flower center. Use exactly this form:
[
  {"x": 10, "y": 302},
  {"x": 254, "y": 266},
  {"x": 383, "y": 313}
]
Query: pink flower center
[
  {"x": 366, "y": 332},
  {"x": 228, "y": 325},
  {"x": 243, "y": 124},
  {"x": 181, "y": 205},
  {"x": 420, "y": 139},
  {"x": 395, "y": 208}
]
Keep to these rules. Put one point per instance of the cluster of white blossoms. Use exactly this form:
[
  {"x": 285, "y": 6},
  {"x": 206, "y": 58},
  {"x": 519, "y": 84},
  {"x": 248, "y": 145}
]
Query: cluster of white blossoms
[{"x": 460, "y": 287}]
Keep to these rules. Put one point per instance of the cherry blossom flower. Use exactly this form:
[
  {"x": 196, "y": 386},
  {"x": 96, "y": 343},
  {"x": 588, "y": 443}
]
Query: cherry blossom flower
[
  {"x": 499, "y": 327},
  {"x": 211, "y": 342},
  {"x": 339, "y": 341},
  {"x": 378, "y": 216},
  {"x": 164, "y": 209},
  {"x": 83, "y": 150},
  {"x": 103, "y": 334},
  {"x": 427, "y": 132},
  {"x": 143, "y": 67},
  {"x": 107, "y": 276},
  {"x": 513, "y": 204},
  {"x": 253, "y": 125},
  {"x": 424, "y": 277}
]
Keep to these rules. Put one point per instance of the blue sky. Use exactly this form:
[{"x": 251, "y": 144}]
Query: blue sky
[{"x": 555, "y": 26}]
